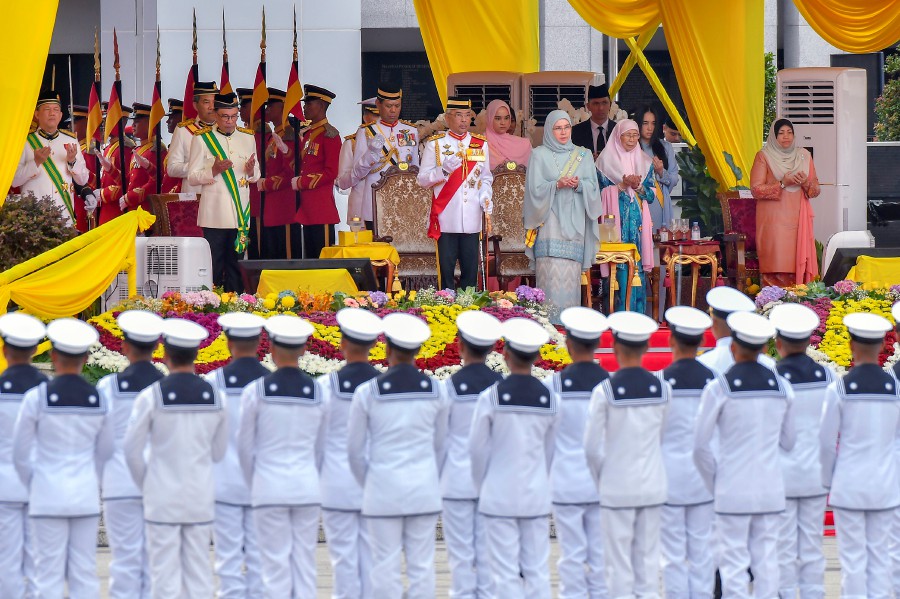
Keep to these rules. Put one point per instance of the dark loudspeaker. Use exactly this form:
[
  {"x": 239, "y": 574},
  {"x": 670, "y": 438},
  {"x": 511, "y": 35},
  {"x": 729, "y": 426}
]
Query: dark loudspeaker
[
  {"x": 360, "y": 270},
  {"x": 845, "y": 258},
  {"x": 873, "y": 63}
]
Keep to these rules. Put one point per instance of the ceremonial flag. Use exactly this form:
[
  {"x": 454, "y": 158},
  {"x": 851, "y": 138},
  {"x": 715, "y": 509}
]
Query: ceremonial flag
[
  {"x": 225, "y": 84},
  {"x": 95, "y": 112},
  {"x": 294, "y": 90},
  {"x": 157, "y": 111},
  {"x": 260, "y": 93},
  {"x": 114, "y": 108},
  {"x": 189, "y": 111}
]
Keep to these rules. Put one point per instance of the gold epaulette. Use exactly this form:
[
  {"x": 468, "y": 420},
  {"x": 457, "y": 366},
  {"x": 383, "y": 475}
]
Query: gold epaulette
[
  {"x": 349, "y": 137},
  {"x": 203, "y": 130},
  {"x": 185, "y": 123},
  {"x": 436, "y": 136},
  {"x": 370, "y": 130},
  {"x": 66, "y": 132},
  {"x": 246, "y": 130},
  {"x": 479, "y": 136},
  {"x": 410, "y": 123},
  {"x": 331, "y": 131}
]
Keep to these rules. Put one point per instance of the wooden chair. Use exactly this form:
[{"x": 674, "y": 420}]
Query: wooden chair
[
  {"x": 174, "y": 216},
  {"x": 739, "y": 216},
  {"x": 508, "y": 259}
]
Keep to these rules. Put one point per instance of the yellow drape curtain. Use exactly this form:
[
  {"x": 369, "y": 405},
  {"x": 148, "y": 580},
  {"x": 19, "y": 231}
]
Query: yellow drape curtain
[
  {"x": 479, "y": 35},
  {"x": 24, "y": 41},
  {"x": 854, "y": 25}
]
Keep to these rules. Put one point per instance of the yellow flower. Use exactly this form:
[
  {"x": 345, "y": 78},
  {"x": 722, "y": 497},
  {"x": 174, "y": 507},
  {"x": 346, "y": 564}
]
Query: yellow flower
[
  {"x": 269, "y": 303},
  {"x": 412, "y": 295},
  {"x": 272, "y": 296},
  {"x": 287, "y": 302}
]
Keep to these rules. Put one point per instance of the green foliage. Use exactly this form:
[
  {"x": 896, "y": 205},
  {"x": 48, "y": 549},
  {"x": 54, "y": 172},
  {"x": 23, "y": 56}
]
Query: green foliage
[
  {"x": 887, "y": 106},
  {"x": 771, "y": 95},
  {"x": 29, "y": 227},
  {"x": 820, "y": 250},
  {"x": 703, "y": 207}
]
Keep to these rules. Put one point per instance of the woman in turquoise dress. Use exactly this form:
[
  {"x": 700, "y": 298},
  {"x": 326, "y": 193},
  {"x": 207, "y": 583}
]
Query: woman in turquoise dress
[{"x": 627, "y": 187}]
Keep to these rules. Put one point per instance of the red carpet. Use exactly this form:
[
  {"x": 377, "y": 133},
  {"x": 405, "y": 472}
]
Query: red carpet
[{"x": 658, "y": 357}]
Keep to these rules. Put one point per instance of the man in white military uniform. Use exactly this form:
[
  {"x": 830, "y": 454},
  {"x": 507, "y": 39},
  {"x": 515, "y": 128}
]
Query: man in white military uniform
[
  {"x": 52, "y": 161},
  {"x": 63, "y": 437},
  {"x": 395, "y": 438},
  {"x": 385, "y": 143},
  {"x": 123, "y": 508},
  {"x": 751, "y": 408},
  {"x": 179, "y": 154},
  {"x": 345, "y": 181},
  {"x": 348, "y": 537},
  {"x": 622, "y": 445},
  {"x": 21, "y": 334},
  {"x": 576, "y": 502},
  {"x": 722, "y": 302},
  {"x": 182, "y": 420},
  {"x": 223, "y": 163},
  {"x": 801, "y": 559},
  {"x": 463, "y": 526},
  {"x": 687, "y": 516},
  {"x": 456, "y": 167},
  {"x": 511, "y": 446},
  {"x": 234, "y": 532},
  {"x": 862, "y": 412},
  {"x": 280, "y": 447}
]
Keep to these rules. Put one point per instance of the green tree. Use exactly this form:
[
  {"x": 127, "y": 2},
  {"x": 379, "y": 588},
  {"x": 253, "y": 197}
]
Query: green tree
[
  {"x": 771, "y": 94},
  {"x": 887, "y": 106}
]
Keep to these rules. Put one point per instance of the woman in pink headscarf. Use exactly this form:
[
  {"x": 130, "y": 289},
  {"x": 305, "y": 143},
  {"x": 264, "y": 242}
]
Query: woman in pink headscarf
[
  {"x": 627, "y": 187},
  {"x": 504, "y": 147}
]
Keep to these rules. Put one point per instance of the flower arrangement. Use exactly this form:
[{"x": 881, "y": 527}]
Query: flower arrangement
[{"x": 438, "y": 308}]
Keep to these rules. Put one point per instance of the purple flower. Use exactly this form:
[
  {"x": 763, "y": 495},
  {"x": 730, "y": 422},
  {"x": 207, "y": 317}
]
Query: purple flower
[
  {"x": 447, "y": 294},
  {"x": 895, "y": 289},
  {"x": 844, "y": 287},
  {"x": 378, "y": 298},
  {"x": 768, "y": 295},
  {"x": 530, "y": 294}
]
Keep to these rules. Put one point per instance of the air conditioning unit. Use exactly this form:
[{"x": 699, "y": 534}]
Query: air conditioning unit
[
  {"x": 484, "y": 86},
  {"x": 543, "y": 91},
  {"x": 828, "y": 109},
  {"x": 164, "y": 264}
]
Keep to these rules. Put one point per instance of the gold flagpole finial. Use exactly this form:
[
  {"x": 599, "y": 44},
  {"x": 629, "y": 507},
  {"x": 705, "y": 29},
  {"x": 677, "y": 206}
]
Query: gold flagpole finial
[
  {"x": 96, "y": 55},
  {"x": 295, "y": 33},
  {"x": 262, "y": 42},
  {"x": 194, "y": 40},
  {"x": 116, "y": 53},
  {"x": 158, "y": 60},
  {"x": 53, "y": 78},
  {"x": 224, "y": 42}
]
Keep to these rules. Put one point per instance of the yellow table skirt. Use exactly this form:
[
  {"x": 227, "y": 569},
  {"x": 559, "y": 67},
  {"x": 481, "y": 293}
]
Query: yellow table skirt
[
  {"x": 885, "y": 271},
  {"x": 312, "y": 281},
  {"x": 375, "y": 251},
  {"x": 621, "y": 247}
]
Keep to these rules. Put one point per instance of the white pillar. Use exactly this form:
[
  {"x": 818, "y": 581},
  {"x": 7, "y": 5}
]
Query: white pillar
[{"x": 802, "y": 45}]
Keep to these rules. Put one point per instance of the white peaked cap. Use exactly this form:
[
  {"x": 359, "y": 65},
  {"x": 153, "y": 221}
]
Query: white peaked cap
[
  {"x": 359, "y": 324},
  {"x": 524, "y": 335},
  {"x": 751, "y": 328},
  {"x": 21, "y": 330},
  {"x": 289, "y": 331},
  {"x": 794, "y": 322},
  {"x": 583, "y": 323},
  {"x": 241, "y": 325},
  {"x": 71, "y": 335},
  {"x": 141, "y": 326},
  {"x": 479, "y": 328},
  {"x": 405, "y": 330},
  {"x": 186, "y": 334},
  {"x": 632, "y": 327}
]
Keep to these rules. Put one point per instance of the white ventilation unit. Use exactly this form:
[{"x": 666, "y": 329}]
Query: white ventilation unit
[
  {"x": 542, "y": 92},
  {"x": 828, "y": 109},
  {"x": 484, "y": 86},
  {"x": 180, "y": 264}
]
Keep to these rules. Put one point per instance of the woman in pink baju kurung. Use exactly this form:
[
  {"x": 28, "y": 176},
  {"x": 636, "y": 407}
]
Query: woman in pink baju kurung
[{"x": 783, "y": 180}]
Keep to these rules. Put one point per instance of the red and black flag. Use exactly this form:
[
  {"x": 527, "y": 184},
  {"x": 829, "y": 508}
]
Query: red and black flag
[{"x": 189, "y": 111}]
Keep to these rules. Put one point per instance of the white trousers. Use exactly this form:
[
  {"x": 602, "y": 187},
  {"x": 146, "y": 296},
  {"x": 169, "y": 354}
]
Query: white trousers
[
  {"x": 412, "y": 536},
  {"x": 234, "y": 535},
  {"x": 65, "y": 550},
  {"x": 288, "y": 537},
  {"x": 467, "y": 554},
  {"x": 631, "y": 551},
  {"x": 179, "y": 560},
  {"x": 801, "y": 560},
  {"x": 895, "y": 552},
  {"x": 351, "y": 556},
  {"x": 13, "y": 526},
  {"x": 129, "y": 569},
  {"x": 863, "y": 541},
  {"x": 748, "y": 541},
  {"x": 687, "y": 551},
  {"x": 519, "y": 550},
  {"x": 580, "y": 564}
]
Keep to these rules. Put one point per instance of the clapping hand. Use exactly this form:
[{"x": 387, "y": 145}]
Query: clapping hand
[
  {"x": 220, "y": 166},
  {"x": 795, "y": 178},
  {"x": 71, "y": 152},
  {"x": 141, "y": 161},
  {"x": 657, "y": 165},
  {"x": 106, "y": 164},
  {"x": 41, "y": 155},
  {"x": 279, "y": 143},
  {"x": 563, "y": 182},
  {"x": 376, "y": 143},
  {"x": 632, "y": 181},
  {"x": 250, "y": 164}
]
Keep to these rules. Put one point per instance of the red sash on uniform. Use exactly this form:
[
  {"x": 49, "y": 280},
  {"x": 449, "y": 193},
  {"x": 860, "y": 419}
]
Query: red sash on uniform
[{"x": 440, "y": 201}]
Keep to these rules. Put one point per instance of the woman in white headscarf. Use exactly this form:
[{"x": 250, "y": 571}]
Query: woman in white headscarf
[
  {"x": 782, "y": 180},
  {"x": 562, "y": 205}
]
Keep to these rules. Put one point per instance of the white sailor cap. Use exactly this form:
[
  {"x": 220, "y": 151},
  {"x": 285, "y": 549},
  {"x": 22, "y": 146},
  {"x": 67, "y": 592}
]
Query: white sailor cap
[
  {"x": 750, "y": 328},
  {"x": 359, "y": 325},
  {"x": 631, "y": 328},
  {"x": 866, "y": 327},
  {"x": 794, "y": 322},
  {"x": 72, "y": 336},
  {"x": 583, "y": 323},
  {"x": 405, "y": 330},
  {"x": 241, "y": 325},
  {"x": 288, "y": 331},
  {"x": 141, "y": 326},
  {"x": 21, "y": 330},
  {"x": 368, "y": 101},
  {"x": 182, "y": 333},
  {"x": 687, "y": 323},
  {"x": 524, "y": 335},
  {"x": 478, "y": 328},
  {"x": 895, "y": 312},
  {"x": 725, "y": 300}
]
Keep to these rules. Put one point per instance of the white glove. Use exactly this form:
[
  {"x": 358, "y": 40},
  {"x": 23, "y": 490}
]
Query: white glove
[
  {"x": 451, "y": 163},
  {"x": 122, "y": 204},
  {"x": 106, "y": 164},
  {"x": 376, "y": 143},
  {"x": 141, "y": 161},
  {"x": 279, "y": 143},
  {"x": 91, "y": 201},
  {"x": 295, "y": 183}
]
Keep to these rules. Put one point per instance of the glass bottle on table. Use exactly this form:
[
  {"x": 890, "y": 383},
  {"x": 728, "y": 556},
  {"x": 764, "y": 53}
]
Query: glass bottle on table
[
  {"x": 695, "y": 231},
  {"x": 663, "y": 234}
]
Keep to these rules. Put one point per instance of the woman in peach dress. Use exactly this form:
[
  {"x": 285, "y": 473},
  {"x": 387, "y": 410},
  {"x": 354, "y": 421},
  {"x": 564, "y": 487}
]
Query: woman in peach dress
[{"x": 783, "y": 180}]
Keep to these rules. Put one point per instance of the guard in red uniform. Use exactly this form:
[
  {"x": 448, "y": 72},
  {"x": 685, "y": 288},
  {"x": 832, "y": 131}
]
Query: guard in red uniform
[
  {"x": 142, "y": 170},
  {"x": 111, "y": 175},
  {"x": 87, "y": 197},
  {"x": 319, "y": 168},
  {"x": 172, "y": 184}
]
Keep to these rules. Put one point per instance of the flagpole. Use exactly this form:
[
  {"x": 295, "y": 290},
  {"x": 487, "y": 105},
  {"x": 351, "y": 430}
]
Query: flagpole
[
  {"x": 262, "y": 125},
  {"x": 90, "y": 142},
  {"x": 297, "y": 198},
  {"x": 118, "y": 85},
  {"x": 158, "y": 127}
]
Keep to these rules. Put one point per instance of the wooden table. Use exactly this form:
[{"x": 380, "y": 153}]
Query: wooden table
[
  {"x": 615, "y": 254},
  {"x": 695, "y": 253},
  {"x": 382, "y": 256}
]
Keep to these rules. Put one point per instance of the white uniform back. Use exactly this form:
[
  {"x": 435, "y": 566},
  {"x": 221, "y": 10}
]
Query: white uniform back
[
  {"x": 15, "y": 382},
  {"x": 720, "y": 358}
]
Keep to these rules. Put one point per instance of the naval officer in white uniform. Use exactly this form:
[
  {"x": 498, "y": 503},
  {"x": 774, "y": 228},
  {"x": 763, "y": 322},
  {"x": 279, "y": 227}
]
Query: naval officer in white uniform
[
  {"x": 395, "y": 441},
  {"x": 63, "y": 436},
  {"x": 576, "y": 500},
  {"x": 123, "y": 508},
  {"x": 182, "y": 420},
  {"x": 801, "y": 558},
  {"x": 751, "y": 408},
  {"x": 722, "y": 302},
  {"x": 622, "y": 444},
  {"x": 862, "y": 413}
]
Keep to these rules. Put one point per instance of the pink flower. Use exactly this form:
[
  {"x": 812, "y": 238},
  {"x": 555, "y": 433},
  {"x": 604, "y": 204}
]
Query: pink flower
[
  {"x": 363, "y": 301},
  {"x": 845, "y": 286},
  {"x": 504, "y": 303},
  {"x": 350, "y": 302},
  {"x": 250, "y": 299}
]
